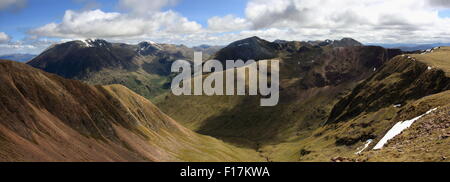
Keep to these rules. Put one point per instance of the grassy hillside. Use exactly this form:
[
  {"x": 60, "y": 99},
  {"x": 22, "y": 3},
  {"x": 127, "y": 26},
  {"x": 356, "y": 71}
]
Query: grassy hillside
[
  {"x": 344, "y": 139},
  {"x": 391, "y": 95},
  {"x": 44, "y": 117},
  {"x": 350, "y": 117},
  {"x": 312, "y": 80},
  {"x": 333, "y": 99},
  {"x": 426, "y": 140},
  {"x": 438, "y": 58}
]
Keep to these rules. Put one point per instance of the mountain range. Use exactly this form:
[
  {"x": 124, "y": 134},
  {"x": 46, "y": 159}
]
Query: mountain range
[
  {"x": 18, "y": 57},
  {"x": 144, "y": 68},
  {"x": 414, "y": 47},
  {"x": 93, "y": 100}
]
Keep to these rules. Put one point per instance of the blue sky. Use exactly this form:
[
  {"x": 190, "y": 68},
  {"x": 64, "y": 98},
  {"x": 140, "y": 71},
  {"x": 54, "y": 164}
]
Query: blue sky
[
  {"x": 40, "y": 12},
  {"x": 32, "y": 25},
  {"x": 444, "y": 13}
]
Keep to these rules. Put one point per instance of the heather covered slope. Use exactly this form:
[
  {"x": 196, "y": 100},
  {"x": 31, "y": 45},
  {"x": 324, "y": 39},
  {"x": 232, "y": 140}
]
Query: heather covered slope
[{"x": 47, "y": 118}]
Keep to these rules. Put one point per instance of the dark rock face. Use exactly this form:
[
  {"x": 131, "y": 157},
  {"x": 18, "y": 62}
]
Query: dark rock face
[{"x": 341, "y": 64}]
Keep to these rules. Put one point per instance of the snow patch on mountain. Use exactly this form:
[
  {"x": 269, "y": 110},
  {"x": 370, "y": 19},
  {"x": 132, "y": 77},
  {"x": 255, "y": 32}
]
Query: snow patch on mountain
[
  {"x": 397, "y": 129},
  {"x": 88, "y": 43},
  {"x": 368, "y": 142},
  {"x": 94, "y": 43}
]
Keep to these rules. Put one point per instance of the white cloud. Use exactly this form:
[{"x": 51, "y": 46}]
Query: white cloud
[
  {"x": 14, "y": 4},
  {"x": 4, "y": 37},
  {"x": 32, "y": 46},
  {"x": 440, "y": 3},
  {"x": 145, "y": 6},
  {"x": 369, "y": 20},
  {"x": 99, "y": 24},
  {"x": 227, "y": 23}
]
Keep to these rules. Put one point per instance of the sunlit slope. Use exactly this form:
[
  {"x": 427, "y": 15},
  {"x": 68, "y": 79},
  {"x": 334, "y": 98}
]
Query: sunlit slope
[
  {"x": 438, "y": 58},
  {"x": 47, "y": 118},
  {"x": 177, "y": 140}
]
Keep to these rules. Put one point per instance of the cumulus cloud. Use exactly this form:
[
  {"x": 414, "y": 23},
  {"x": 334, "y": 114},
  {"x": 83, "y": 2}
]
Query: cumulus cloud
[
  {"x": 4, "y": 37},
  {"x": 14, "y": 4},
  {"x": 440, "y": 3},
  {"x": 31, "y": 46},
  {"x": 145, "y": 6},
  {"x": 370, "y": 20},
  {"x": 99, "y": 24},
  {"x": 227, "y": 23}
]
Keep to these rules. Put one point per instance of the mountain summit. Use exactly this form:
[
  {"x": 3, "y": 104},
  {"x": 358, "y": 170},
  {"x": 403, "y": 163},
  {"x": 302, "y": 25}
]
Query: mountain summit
[{"x": 249, "y": 48}]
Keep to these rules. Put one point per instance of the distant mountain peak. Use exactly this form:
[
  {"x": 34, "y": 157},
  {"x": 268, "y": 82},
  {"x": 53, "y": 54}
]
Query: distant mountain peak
[
  {"x": 148, "y": 47},
  {"x": 345, "y": 42},
  {"x": 251, "y": 41},
  {"x": 203, "y": 46},
  {"x": 249, "y": 48},
  {"x": 348, "y": 42},
  {"x": 148, "y": 42},
  {"x": 279, "y": 41}
]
